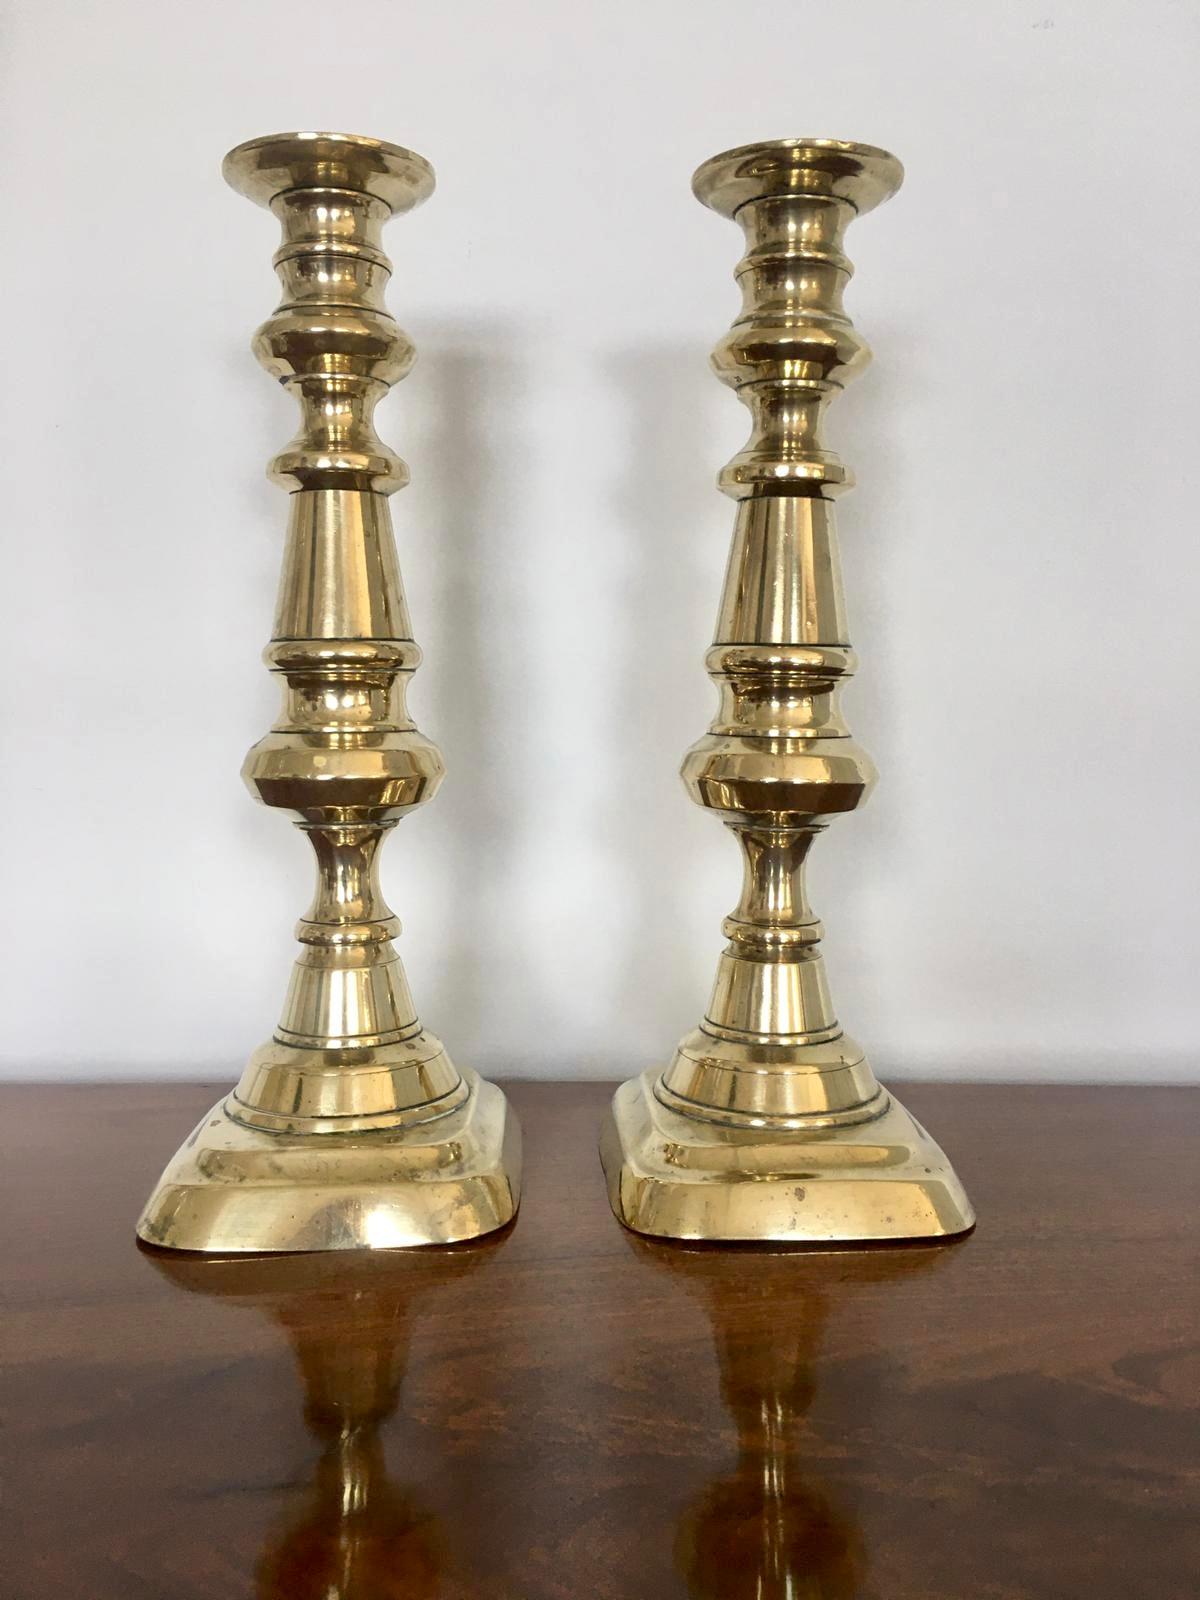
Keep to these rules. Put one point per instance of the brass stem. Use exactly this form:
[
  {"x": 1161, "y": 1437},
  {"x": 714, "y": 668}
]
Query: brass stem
[
  {"x": 351, "y": 1127},
  {"x": 778, "y": 761},
  {"x": 344, "y": 755},
  {"x": 769, "y": 1124}
]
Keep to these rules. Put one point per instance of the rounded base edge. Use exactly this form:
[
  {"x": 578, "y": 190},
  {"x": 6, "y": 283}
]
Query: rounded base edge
[
  {"x": 237, "y": 1190},
  {"x": 674, "y": 1177}
]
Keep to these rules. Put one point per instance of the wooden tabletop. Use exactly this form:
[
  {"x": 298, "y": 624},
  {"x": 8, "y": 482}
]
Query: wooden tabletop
[{"x": 569, "y": 1411}]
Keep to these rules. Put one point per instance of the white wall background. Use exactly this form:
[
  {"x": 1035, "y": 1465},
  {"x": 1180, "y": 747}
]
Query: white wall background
[{"x": 1018, "y": 898}]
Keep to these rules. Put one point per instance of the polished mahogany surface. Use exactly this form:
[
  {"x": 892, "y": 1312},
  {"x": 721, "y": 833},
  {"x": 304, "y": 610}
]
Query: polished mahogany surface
[{"x": 569, "y": 1411}]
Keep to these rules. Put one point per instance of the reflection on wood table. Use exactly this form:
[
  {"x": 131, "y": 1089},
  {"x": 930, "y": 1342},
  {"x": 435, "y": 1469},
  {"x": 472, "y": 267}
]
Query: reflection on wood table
[{"x": 566, "y": 1410}]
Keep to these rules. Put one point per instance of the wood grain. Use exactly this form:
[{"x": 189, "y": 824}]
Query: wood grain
[{"x": 569, "y": 1411}]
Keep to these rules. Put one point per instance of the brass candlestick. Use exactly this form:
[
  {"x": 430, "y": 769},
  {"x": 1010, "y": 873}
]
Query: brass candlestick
[
  {"x": 351, "y": 1127},
  {"x": 769, "y": 1123}
]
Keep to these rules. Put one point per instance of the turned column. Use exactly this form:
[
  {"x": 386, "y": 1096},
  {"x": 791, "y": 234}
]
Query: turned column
[
  {"x": 778, "y": 762},
  {"x": 770, "y": 1087},
  {"x": 345, "y": 755},
  {"x": 288, "y": 1161}
]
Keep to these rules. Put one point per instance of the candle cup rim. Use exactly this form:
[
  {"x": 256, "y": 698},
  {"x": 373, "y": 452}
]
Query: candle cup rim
[
  {"x": 277, "y": 163},
  {"x": 864, "y": 175}
]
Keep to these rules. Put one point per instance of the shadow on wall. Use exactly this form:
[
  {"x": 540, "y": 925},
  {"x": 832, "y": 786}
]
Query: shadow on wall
[
  {"x": 570, "y": 924},
  {"x": 856, "y": 868},
  {"x": 459, "y": 583},
  {"x": 570, "y": 920},
  {"x": 681, "y": 876}
]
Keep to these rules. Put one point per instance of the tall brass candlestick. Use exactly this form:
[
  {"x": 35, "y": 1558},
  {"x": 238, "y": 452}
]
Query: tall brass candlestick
[
  {"x": 769, "y": 1122},
  {"x": 352, "y": 1127}
]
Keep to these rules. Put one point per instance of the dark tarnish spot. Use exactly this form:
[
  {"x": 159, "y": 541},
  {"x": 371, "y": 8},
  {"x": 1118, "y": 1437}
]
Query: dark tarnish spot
[{"x": 799, "y": 1191}]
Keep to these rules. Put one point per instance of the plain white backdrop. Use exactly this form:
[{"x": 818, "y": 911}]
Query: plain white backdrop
[{"x": 1017, "y": 899}]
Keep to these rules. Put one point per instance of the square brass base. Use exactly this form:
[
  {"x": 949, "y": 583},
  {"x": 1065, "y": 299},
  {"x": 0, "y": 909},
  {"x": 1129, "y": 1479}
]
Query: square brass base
[
  {"x": 236, "y": 1189},
  {"x": 679, "y": 1177}
]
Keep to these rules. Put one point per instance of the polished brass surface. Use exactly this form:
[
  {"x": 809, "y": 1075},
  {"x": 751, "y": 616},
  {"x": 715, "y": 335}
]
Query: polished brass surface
[
  {"x": 351, "y": 1127},
  {"x": 769, "y": 1123}
]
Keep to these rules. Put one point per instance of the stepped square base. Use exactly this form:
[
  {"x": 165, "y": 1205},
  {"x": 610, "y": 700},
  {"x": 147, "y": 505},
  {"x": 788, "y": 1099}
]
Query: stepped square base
[
  {"x": 677, "y": 1177},
  {"x": 234, "y": 1189}
]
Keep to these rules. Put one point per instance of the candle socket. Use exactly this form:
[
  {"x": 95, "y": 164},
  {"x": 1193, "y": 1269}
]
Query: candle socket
[
  {"x": 351, "y": 1128},
  {"x": 769, "y": 1123}
]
